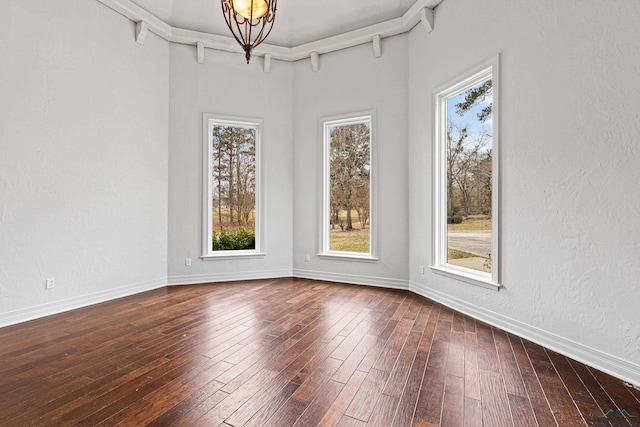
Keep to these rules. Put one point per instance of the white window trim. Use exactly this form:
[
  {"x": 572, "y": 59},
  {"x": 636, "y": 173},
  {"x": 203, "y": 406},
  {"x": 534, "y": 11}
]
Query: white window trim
[
  {"x": 440, "y": 265},
  {"x": 345, "y": 119},
  {"x": 208, "y": 120}
]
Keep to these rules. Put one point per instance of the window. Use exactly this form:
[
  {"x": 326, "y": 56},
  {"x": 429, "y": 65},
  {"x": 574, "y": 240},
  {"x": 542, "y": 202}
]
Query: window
[
  {"x": 232, "y": 214},
  {"x": 348, "y": 215},
  {"x": 466, "y": 173}
]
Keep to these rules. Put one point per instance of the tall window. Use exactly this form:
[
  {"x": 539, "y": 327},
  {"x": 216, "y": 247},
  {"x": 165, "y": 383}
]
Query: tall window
[
  {"x": 232, "y": 208},
  {"x": 466, "y": 214},
  {"x": 347, "y": 207}
]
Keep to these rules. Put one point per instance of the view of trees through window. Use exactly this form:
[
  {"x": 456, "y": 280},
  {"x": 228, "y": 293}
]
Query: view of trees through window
[
  {"x": 469, "y": 177},
  {"x": 233, "y": 187},
  {"x": 349, "y": 151}
]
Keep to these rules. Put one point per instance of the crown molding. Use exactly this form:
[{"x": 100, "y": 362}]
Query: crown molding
[
  {"x": 421, "y": 11},
  {"x": 349, "y": 39},
  {"x": 135, "y": 13},
  {"x": 142, "y": 29}
]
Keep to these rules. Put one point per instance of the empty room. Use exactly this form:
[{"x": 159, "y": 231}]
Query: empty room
[{"x": 332, "y": 213}]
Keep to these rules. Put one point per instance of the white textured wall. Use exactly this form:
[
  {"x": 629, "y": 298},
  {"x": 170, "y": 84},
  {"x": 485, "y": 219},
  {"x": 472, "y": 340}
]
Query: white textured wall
[
  {"x": 83, "y": 156},
  {"x": 101, "y": 168},
  {"x": 226, "y": 85},
  {"x": 351, "y": 81},
  {"x": 570, "y": 161}
]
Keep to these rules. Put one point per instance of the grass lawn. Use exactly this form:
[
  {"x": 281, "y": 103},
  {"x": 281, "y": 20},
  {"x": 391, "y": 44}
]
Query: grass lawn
[
  {"x": 350, "y": 241},
  {"x": 478, "y": 222},
  {"x": 456, "y": 254},
  {"x": 358, "y": 240}
]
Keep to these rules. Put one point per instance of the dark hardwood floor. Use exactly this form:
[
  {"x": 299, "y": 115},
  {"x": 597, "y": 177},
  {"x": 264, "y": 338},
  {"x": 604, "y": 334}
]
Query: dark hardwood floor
[{"x": 292, "y": 352}]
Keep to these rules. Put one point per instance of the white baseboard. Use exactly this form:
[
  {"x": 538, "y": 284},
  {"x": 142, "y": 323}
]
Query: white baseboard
[
  {"x": 612, "y": 365},
  {"x": 30, "y": 313},
  {"x": 194, "y": 279},
  {"x": 352, "y": 279}
]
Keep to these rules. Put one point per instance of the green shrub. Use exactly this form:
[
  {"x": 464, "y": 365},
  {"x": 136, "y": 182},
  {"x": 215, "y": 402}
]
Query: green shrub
[
  {"x": 233, "y": 240},
  {"x": 456, "y": 219}
]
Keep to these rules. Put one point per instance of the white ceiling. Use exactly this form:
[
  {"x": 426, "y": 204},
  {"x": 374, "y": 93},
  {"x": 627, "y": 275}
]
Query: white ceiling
[{"x": 297, "y": 21}]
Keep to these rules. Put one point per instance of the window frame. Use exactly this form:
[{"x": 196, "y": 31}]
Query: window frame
[
  {"x": 209, "y": 121},
  {"x": 326, "y": 123},
  {"x": 478, "y": 74}
]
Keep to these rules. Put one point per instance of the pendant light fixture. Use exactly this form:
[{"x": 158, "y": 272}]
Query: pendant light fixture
[{"x": 250, "y": 21}]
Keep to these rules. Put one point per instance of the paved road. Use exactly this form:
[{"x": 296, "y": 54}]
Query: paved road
[{"x": 475, "y": 242}]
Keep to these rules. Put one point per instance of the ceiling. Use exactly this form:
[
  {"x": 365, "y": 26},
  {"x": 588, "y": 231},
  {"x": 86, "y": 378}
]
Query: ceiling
[{"x": 297, "y": 21}]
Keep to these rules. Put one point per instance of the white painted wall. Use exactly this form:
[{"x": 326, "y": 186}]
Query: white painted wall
[
  {"x": 101, "y": 169},
  {"x": 569, "y": 165},
  {"x": 226, "y": 85},
  {"x": 351, "y": 81},
  {"x": 83, "y": 157}
]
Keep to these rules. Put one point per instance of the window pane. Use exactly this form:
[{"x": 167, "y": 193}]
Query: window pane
[
  {"x": 233, "y": 187},
  {"x": 349, "y": 187},
  {"x": 469, "y": 177}
]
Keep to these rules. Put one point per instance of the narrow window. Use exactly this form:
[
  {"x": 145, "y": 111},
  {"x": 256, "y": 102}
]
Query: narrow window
[
  {"x": 348, "y": 218},
  {"x": 232, "y": 203},
  {"x": 466, "y": 232}
]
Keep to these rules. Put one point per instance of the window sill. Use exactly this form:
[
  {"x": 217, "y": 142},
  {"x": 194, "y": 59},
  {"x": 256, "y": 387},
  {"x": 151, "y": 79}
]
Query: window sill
[
  {"x": 466, "y": 276},
  {"x": 226, "y": 255},
  {"x": 348, "y": 256}
]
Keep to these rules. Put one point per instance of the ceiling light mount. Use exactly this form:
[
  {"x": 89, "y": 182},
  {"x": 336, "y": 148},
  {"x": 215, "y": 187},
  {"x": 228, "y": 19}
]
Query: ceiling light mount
[{"x": 250, "y": 21}]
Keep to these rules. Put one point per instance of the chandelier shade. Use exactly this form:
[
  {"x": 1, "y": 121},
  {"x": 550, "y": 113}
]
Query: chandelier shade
[{"x": 250, "y": 21}]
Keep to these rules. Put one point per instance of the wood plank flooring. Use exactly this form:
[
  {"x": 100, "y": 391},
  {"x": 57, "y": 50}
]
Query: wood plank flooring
[{"x": 292, "y": 352}]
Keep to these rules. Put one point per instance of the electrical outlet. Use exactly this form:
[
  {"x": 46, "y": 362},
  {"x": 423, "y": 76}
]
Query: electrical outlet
[
  {"x": 187, "y": 262},
  {"x": 307, "y": 258},
  {"x": 422, "y": 269},
  {"x": 51, "y": 282}
]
